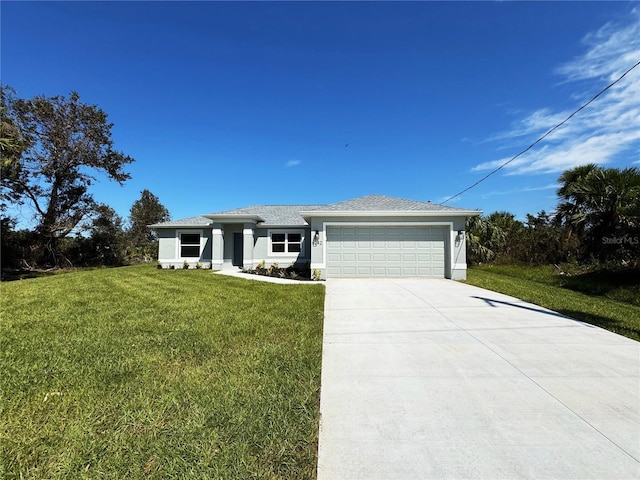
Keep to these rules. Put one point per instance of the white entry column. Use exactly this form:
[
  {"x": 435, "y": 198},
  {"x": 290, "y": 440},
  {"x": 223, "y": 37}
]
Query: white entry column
[
  {"x": 247, "y": 245},
  {"x": 217, "y": 246}
]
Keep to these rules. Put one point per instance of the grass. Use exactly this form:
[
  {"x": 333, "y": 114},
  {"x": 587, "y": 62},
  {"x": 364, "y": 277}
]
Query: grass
[
  {"x": 605, "y": 299},
  {"x": 140, "y": 373}
]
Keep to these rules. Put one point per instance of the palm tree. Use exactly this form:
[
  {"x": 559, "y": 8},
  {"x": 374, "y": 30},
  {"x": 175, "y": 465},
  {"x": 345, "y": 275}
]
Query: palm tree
[
  {"x": 483, "y": 238},
  {"x": 599, "y": 202}
]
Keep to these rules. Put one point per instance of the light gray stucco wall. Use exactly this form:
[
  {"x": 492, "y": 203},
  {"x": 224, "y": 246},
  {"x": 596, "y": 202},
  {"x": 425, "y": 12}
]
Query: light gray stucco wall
[
  {"x": 261, "y": 248},
  {"x": 167, "y": 244},
  {"x": 260, "y": 251},
  {"x": 206, "y": 252},
  {"x": 459, "y": 250},
  {"x": 168, "y": 247}
]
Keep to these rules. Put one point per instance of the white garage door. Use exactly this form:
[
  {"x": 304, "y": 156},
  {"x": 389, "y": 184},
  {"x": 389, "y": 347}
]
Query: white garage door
[{"x": 385, "y": 251}]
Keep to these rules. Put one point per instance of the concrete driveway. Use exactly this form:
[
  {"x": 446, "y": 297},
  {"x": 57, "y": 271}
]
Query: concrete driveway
[{"x": 437, "y": 379}]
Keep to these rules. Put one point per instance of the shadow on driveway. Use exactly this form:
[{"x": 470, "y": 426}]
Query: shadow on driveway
[{"x": 588, "y": 319}]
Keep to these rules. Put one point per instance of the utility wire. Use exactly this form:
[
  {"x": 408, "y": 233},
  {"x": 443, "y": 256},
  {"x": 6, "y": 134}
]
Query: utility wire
[{"x": 542, "y": 137}]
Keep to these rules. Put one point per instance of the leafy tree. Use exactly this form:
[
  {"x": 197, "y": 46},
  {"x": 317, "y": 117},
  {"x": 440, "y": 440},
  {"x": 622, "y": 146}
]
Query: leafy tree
[
  {"x": 107, "y": 237},
  {"x": 545, "y": 241},
  {"x": 11, "y": 146},
  {"x": 145, "y": 211},
  {"x": 16, "y": 247},
  {"x": 598, "y": 203},
  {"x": 65, "y": 143},
  {"x": 500, "y": 237}
]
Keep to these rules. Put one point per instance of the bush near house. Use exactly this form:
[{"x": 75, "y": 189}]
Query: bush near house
[{"x": 292, "y": 272}]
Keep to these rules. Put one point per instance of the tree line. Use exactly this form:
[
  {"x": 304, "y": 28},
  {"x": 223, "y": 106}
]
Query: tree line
[
  {"x": 52, "y": 149},
  {"x": 596, "y": 222}
]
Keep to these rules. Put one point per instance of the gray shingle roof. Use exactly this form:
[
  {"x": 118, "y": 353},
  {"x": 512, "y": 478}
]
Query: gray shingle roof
[
  {"x": 290, "y": 214},
  {"x": 197, "y": 221},
  {"x": 274, "y": 214},
  {"x": 381, "y": 203}
]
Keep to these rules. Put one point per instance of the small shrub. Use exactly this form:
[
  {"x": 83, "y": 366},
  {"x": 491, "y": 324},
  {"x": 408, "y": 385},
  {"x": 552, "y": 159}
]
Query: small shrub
[
  {"x": 185, "y": 265},
  {"x": 159, "y": 266},
  {"x": 198, "y": 266},
  {"x": 317, "y": 274},
  {"x": 172, "y": 267}
]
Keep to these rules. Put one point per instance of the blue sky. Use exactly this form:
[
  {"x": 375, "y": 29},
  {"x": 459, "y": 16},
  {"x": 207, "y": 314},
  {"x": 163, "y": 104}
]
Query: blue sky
[{"x": 230, "y": 104}]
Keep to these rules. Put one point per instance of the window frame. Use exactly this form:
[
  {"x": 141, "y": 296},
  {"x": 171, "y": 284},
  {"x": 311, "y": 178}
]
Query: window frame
[
  {"x": 179, "y": 244},
  {"x": 286, "y": 242}
]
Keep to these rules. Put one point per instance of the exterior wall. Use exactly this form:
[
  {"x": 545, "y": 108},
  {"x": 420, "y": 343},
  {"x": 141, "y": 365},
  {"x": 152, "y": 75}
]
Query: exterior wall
[
  {"x": 167, "y": 245},
  {"x": 168, "y": 248},
  {"x": 459, "y": 250},
  {"x": 455, "y": 245},
  {"x": 261, "y": 248}
]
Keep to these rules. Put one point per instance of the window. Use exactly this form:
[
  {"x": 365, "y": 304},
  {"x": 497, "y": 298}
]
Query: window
[
  {"x": 190, "y": 245},
  {"x": 286, "y": 242}
]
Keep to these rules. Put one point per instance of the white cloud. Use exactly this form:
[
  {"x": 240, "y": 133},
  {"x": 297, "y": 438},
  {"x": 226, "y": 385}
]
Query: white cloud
[
  {"x": 553, "y": 186},
  {"x": 608, "y": 127},
  {"x": 293, "y": 163}
]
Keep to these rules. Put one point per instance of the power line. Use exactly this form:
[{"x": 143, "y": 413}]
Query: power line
[{"x": 542, "y": 137}]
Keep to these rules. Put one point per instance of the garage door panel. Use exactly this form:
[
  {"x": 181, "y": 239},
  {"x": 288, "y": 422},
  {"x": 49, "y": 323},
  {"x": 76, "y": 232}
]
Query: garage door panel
[
  {"x": 349, "y": 270},
  {"x": 385, "y": 251},
  {"x": 394, "y": 272}
]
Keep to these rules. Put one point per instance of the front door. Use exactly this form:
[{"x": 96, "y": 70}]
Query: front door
[{"x": 237, "y": 249}]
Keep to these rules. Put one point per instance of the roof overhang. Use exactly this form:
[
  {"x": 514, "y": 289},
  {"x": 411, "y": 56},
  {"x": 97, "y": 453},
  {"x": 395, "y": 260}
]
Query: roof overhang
[
  {"x": 389, "y": 213},
  {"x": 179, "y": 225},
  {"x": 234, "y": 218}
]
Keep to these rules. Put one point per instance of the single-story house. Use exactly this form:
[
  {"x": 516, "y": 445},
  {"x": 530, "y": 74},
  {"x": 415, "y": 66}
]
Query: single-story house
[{"x": 370, "y": 236}]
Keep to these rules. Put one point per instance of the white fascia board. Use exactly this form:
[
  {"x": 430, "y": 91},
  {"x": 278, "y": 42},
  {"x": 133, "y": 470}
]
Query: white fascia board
[
  {"x": 278, "y": 226},
  {"x": 239, "y": 218},
  {"x": 391, "y": 213},
  {"x": 180, "y": 225}
]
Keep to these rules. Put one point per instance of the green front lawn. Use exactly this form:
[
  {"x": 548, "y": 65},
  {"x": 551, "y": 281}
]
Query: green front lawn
[
  {"x": 136, "y": 372},
  {"x": 610, "y": 301}
]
